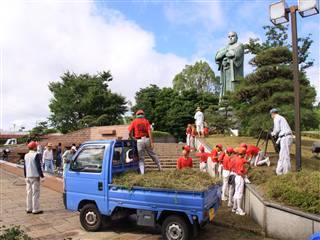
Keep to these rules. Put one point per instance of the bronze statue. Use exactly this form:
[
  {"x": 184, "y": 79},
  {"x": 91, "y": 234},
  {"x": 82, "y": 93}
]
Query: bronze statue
[{"x": 230, "y": 61}]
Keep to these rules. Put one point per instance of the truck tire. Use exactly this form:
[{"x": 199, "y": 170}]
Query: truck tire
[
  {"x": 175, "y": 227},
  {"x": 90, "y": 217}
]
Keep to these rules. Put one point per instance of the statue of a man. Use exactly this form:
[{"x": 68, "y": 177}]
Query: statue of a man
[{"x": 230, "y": 61}]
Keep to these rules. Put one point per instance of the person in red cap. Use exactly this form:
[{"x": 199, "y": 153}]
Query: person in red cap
[
  {"x": 203, "y": 156},
  {"x": 205, "y": 129},
  {"x": 185, "y": 161},
  {"x": 140, "y": 130},
  {"x": 33, "y": 173},
  {"x": 256, "y": 157},
  {"x": 240, "y": 172},
  {"x": 215, "y": 153},
  {"x": 243, "y": 145},
  {"x": 232, "y": 175},
  {"x": 188, "y": 134},
  {"x": 193, "y": 137},
  {"x": 226, "y": 162}
]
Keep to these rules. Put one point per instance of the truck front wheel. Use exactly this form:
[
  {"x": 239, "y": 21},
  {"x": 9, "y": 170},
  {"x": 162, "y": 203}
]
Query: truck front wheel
[
  {"x": 90, "y": 217},
  {"x": 175, "y": 227}
]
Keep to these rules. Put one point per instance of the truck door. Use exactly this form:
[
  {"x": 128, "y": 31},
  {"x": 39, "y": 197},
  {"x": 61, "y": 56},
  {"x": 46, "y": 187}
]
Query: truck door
[{"x": 85, "y": 179}]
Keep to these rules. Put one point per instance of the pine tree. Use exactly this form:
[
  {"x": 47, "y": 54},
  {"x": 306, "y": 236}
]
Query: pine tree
[{"x": 271, "y": 84}]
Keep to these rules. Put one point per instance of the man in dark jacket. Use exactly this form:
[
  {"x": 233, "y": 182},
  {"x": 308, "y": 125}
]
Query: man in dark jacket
[{"x": 33, "y": 173}]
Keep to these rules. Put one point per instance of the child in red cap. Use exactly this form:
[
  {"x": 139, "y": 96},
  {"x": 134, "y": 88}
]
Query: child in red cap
[
  {"x": 203, "y": 158},
  {"x": 185, "y": 161},
  {"x": 188, "y": 133},
  {"x": 205, "y": 130},
  {"x": 257, "y": 157},
  {"x": 226, "y": 162},
  {"x": 240, "y": 172},
  {"x": 193, "y": 137},
  {"x": 232, "y": 175},
  {"x": 215, "y": 153}
]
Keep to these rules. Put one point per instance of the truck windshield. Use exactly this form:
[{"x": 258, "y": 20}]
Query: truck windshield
[{"x": 90, "y": 159}]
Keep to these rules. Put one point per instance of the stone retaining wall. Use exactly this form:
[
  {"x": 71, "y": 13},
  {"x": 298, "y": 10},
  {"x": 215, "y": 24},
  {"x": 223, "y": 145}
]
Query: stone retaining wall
[{"x": 279, "y": 221}]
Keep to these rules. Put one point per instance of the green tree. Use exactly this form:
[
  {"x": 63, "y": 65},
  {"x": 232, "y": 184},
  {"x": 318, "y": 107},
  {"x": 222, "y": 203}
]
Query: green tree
[
  {"x": 220, "y": 117},
  {"x": 199, "y": 76},
  {"x": 146, "y": 99},
  {"x": 42, "y": 128},
  {"x": 277, "y": 36},
  {"x": 171, "y": 110},
  {"x": 271, "y": 85},
  {"x": 84, "y": 100}
]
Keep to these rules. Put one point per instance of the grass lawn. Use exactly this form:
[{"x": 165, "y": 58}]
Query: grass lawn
[{"x": 301, "y": 190}]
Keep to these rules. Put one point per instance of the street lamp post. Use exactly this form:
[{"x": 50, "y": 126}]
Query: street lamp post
[{"x": 278, "y": 15}]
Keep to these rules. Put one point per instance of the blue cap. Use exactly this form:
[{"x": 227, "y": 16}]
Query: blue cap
[{"x": 274, "y": 110}]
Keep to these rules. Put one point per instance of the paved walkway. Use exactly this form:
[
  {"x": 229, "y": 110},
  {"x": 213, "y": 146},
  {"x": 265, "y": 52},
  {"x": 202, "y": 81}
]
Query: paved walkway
[{"x": 56, "y": 223}]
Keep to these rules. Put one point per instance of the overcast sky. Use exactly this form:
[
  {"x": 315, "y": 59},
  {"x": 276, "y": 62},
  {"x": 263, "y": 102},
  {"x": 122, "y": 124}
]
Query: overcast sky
[{"x": 140, "y": 42}]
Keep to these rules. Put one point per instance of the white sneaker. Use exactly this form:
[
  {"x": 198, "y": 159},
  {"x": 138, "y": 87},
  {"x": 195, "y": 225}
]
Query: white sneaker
[
  {"x": 268, "y": 161},
  {"x": 246, "y": 180},
  {"x": 240, "y": 212},
  {"x": 234, "y": 210}
]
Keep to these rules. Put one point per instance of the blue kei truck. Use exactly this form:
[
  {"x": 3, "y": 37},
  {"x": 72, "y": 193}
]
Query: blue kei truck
[{"x": 89, "y": 190}]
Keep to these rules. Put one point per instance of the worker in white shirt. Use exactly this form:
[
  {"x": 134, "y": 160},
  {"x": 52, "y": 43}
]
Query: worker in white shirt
[
  {"x": 47, "y": 159},
  {"x": 282, "y": 129},
  {"x": 199, "y": 117},
  {"x": 33, "y": 173}
]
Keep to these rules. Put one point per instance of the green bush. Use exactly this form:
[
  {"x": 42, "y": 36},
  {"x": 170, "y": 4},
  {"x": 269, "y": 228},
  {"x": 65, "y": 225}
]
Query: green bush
[
  {"x": 13, "y": 233},
  {"x": 298, "y": 189},
  {"x": 160, "y": 134}
]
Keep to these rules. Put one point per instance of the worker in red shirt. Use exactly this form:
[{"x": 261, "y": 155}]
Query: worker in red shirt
[
  {"x": 205, "y": 130},
  {"x": 203, "y": 156},
  {"x": 257, "y": 157},
  {"x": 185, "y": 161},
  {"x": 240, "y": 171},
  {"x": 193, "y": 137},
  {"x": 140, "y": 130},
  {"x": 215, "y": 153},
  {"x": 226, "y": 162},
  {"x": 231, "y": 180},
  {"x": 188, "y": 133}
]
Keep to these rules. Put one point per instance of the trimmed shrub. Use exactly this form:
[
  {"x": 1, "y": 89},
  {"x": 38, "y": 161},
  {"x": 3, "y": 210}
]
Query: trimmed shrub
[
  {"x": 13, "y": 233},
  {"x": 298, "y": 189}
]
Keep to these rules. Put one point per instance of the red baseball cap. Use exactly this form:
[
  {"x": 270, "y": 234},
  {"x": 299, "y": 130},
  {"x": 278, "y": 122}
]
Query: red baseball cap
[
  {"x": 32, "y": 145},
  {"x": 219, "y": 145},
  {"x": 243, "y": 145},
  {"x": 229, "y": 149},
  {"x": 140, "y": 112},
  {"x": 186, "y": 147}
]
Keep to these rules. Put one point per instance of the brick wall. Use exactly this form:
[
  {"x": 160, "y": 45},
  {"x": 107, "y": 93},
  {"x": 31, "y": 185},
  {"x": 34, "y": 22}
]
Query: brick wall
[{"x": 77, "y": 137}]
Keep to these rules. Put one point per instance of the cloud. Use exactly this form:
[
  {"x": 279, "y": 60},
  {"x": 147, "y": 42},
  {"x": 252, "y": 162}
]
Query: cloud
[
  {"x": 209, "y": 15},
  {"x": 41, "y": 40}
]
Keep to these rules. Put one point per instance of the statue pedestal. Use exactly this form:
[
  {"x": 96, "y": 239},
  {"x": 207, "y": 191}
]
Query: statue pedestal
[{"x": 229, "y": 114}]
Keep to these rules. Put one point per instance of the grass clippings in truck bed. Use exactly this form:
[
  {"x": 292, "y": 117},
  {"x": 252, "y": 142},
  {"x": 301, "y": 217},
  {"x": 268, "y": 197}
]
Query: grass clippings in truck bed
[{"x": 185, "y": 179}]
